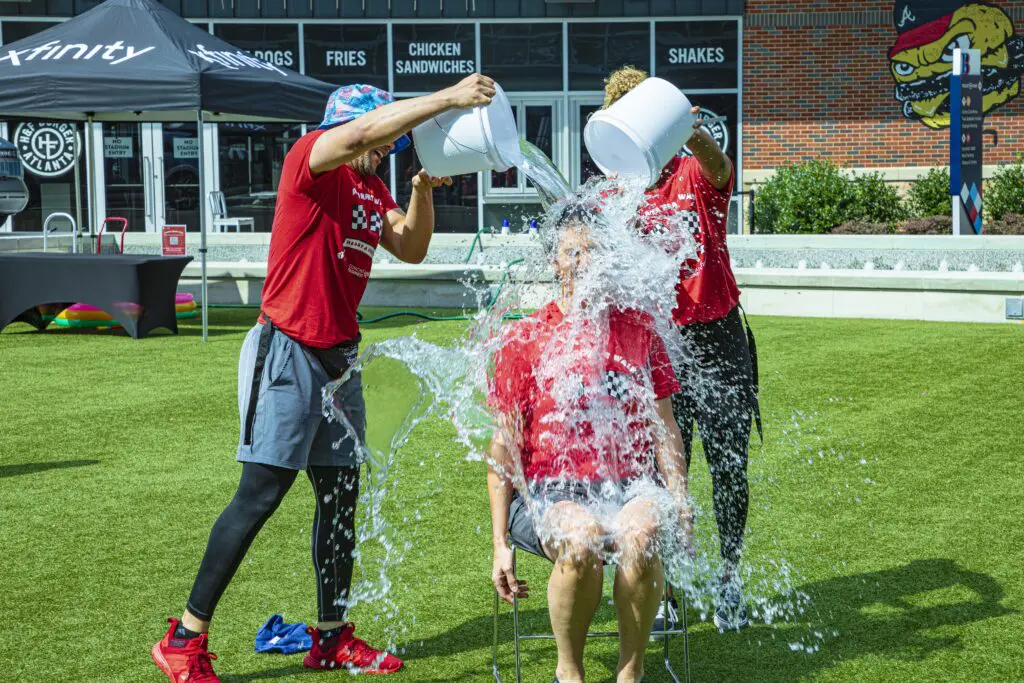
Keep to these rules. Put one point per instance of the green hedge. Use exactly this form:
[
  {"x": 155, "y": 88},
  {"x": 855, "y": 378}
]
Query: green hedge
[
  {"x": 929, "y": 195},
  {"x": 817, "y": 196},
  {"x": 1004, "y": 192}
]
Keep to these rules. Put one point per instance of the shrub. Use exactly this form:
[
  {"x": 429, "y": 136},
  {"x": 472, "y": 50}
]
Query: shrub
[
  {"x": 1009, "y": 224},
  {"x": 929, "y": 225},
  {"x": 876, "y": 201},
  {"x": 809, "y": 197},
  {"x": 862, "y": 227},
  {"x": 1004, "y": 192},
  {"x": 929, "y": 195}
]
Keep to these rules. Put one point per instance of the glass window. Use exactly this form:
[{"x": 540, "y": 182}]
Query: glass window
[
  {"x": 724, "y": 132},
  {"x": 698, "y": 54},
  {"x": 535, "y": 124},
  {"x": 348, "y": 54},
  {"x": 507, "y": 180},
  {"x": 595, "y": 50},
  {"x": 251, "y": 156},
  {"x": 430, "y": 57},
  {"x": 276, "y": 44},
  {"x": 455, "y": 207},
  {"x": 124, "y": 184},
  {"x": 539, "y": 125},
  {"x": 588, "y": 169},
  {"x": 518, "y": 215},
  {"x": 48, "y": 152},
  {"x": 181, "y": 175},
  {"x": 16, "y": 30},
  {"x": 523, "y": 57}
]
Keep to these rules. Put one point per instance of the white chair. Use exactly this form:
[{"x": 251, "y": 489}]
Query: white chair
[
  {"x": 221, "y": 221},
  {"x": 664, "y": 636}
]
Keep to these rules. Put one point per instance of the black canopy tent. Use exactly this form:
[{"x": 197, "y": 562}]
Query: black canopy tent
[{"x": 135, "y": 60}]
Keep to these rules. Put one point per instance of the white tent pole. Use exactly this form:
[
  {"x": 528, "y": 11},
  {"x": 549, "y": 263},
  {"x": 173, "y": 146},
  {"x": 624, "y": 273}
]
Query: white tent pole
[
  {"x": 90, "y": 184},
  {"x": 78, "y": 192},
  {"x": 202, "y": 218}
]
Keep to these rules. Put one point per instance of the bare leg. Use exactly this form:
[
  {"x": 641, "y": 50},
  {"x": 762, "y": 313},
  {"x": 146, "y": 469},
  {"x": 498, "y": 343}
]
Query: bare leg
[
  {"x": 574, "y": 590},
  {"x": 639, "y": 583}
]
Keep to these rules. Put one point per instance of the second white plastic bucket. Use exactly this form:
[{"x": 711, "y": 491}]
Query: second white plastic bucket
[
  {"x": 641, "y": 132},
  {"x": 463, "y": 141}
]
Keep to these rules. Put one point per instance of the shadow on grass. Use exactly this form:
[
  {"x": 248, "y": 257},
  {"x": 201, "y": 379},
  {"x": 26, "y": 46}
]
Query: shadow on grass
[
  {"x": 35, "y": 467},
  {"x": 887, "y": 613}
]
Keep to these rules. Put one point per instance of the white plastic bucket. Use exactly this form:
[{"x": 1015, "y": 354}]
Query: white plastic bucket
[
  {"x": 641, "y": 132},
  {"x": 463, "y": 141}
]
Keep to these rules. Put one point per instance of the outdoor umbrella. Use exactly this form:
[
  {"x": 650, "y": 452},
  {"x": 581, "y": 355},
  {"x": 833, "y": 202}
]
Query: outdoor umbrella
[{"x": 135, "y": 60}]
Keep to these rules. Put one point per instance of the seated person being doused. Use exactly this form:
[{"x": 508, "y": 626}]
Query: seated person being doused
[{"x": 586, "y": 461}]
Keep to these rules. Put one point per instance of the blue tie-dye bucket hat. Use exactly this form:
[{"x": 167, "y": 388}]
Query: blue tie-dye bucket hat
[{"x": 349, "y": 102}]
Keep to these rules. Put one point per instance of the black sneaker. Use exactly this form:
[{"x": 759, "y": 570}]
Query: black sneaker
[
  {"x": 665, "y": 621},
  {"x": 731, "y": 614}
]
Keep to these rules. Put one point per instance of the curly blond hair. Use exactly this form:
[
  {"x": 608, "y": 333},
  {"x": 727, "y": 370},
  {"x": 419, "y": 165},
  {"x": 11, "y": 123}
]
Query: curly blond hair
[{"x": 620, "y": 82}]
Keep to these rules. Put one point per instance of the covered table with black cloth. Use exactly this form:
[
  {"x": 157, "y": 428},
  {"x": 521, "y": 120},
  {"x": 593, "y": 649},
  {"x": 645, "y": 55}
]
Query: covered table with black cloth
[{"x": 138, "y": 290}]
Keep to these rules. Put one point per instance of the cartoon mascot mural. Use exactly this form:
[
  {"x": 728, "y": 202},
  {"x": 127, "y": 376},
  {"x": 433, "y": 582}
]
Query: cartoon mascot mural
[{"x": 922, "y": 58}]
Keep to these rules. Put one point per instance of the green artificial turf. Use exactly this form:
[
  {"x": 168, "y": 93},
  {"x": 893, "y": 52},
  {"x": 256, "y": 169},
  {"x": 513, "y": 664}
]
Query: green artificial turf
[{"x": 116, "y": 456}]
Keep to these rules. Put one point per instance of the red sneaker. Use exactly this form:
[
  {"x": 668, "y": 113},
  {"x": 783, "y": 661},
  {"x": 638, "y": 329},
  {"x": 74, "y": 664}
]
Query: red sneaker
[
  {"x": 349, "y": 652},
  {"x": 184, "y": 660}
]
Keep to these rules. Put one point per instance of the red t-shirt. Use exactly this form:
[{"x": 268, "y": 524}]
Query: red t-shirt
[
  {"x": 558, "y": 439},
  {"x": 710, "y": 292},
  {"x": 326, "y": 229}
]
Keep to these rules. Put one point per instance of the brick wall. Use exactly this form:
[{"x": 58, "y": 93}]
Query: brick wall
[{"x": 817, "y": 84}]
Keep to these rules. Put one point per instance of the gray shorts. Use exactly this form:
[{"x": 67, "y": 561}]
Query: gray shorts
[
  {"x": 287, "y": 428},
  {"x": 522, "y": 531}
]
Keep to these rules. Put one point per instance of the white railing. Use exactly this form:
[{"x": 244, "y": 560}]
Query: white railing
[{"x": 74, "y": 230}]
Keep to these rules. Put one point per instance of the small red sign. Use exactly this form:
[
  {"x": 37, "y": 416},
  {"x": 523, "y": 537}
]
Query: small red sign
[{"x": 174, "y": 240}]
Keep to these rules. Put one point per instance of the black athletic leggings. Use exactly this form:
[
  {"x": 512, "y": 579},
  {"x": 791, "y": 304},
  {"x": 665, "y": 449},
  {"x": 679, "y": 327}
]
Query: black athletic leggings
[
  {"x": 718, "y": 393},
  {"x": 259, "y": 493}
]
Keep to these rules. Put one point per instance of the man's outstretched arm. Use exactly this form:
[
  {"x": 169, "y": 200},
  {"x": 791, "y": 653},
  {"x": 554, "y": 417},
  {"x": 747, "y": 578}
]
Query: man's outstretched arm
[{"x": 384, "y": 125}]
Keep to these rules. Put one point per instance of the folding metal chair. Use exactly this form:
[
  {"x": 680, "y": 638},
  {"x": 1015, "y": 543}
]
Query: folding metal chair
[
  {"x": 221, "y": 220},
  {"x": 665, "y": 635}
]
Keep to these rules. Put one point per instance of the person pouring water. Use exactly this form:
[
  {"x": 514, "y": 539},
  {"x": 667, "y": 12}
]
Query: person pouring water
[
  {"x": 718, "y": 381},
  {"x": 332, "y": 213}
]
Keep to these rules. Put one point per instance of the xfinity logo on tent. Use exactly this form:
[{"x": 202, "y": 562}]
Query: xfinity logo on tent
[
  {"x": 119, "y": 53},
  {"x": 116, "y": 53}
]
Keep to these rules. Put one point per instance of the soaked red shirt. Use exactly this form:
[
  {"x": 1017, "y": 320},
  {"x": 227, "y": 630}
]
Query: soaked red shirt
[
  {"x": 326, "y": 230},
  {"x": 540, "y": 357},
  {"x": 710, "y": 292}
]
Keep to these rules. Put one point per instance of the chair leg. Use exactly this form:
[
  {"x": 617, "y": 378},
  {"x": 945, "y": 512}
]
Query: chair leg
[
  {"x": 494, "y": 646},
  {"x": 686, "y": 637},
  {"x": 665, "y": 638},
  {"x": 515, "y": 624},
  {"x": 515, "y": 636}
]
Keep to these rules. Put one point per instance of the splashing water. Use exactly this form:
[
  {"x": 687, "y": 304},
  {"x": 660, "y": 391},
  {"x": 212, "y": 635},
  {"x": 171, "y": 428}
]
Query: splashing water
[{"x": 627, "y": 270}]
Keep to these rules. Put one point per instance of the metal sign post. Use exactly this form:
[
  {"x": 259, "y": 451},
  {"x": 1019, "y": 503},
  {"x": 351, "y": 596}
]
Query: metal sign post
[{"x": 966, "y": 151}]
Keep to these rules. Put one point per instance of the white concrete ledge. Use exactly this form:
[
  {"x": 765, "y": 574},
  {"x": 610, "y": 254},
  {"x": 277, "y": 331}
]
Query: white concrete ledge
[
  {"x": 905, "y": 295},
  {"x": 1011, "y": 283}
]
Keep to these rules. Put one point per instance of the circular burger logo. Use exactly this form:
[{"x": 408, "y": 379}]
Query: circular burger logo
[
  {"x": 47, "y": 149},
  {"x": 716, "y": 129}
]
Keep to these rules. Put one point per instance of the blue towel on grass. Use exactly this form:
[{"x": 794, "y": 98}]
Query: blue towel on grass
[{"x": 277, "y": 636}]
